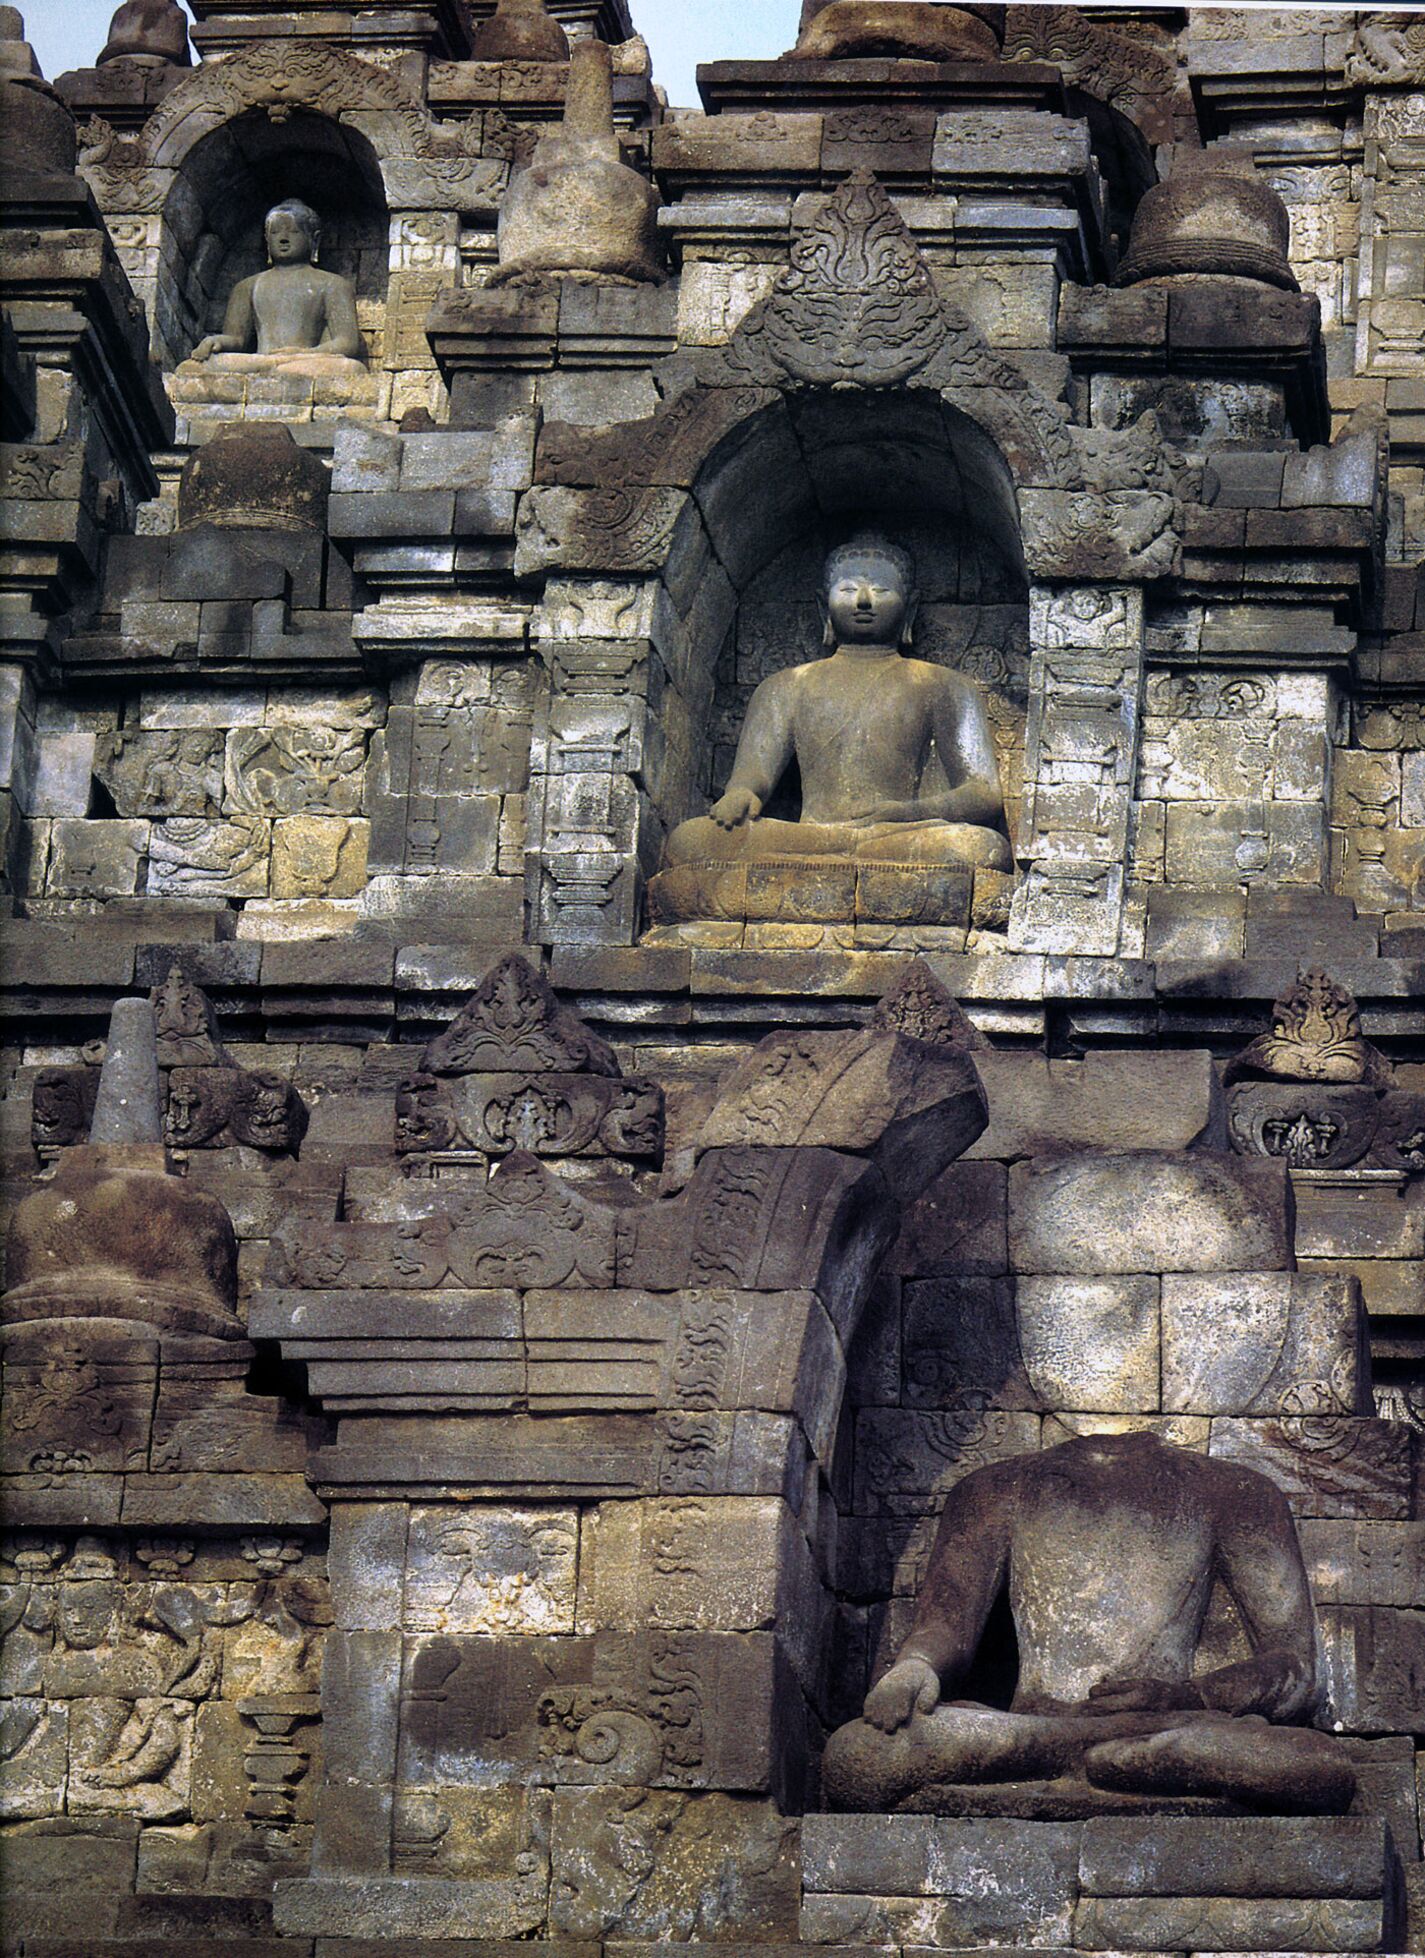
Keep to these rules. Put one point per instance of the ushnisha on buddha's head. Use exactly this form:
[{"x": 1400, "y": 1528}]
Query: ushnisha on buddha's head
[
  {"x": 293, "y": 232},
  {"x": 868, "y": 594}
]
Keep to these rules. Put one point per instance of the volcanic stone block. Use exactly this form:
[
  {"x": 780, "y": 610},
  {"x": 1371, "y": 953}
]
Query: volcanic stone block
[
  {"x": 1136, "y": 1212},
  {"x": 472, "y": 1569},
  {"x": 365, "y": 1561},
  {"x": 1264, "y": 1343},
  {"x": 961, "y": 1345},
  {"x": 1280, "y": 1856},
  {"x": 86, "y": 1405},
  {"x": 470, "y": 1833},
  {"x": 707, "y": 1867},
  {"x": 1337, "y": 1467},
  {"x": 1369, "y": 1221},
  {"x": 697, "y": 1709},
  {"x": 391, "y": 1907},
  {"x": 1108, "y": 1100},
  {"x": 360, "y": 1697},
  {"x": 916, "y": 1877},
  {"x": 1218, "y": 1925},
  {"x": 1364, "y": 1563},
  {"x": 1091, "y": 1343},
  {"x": 957, "y": 1225},
  {"x": 95, "y": 859},
  {"x": 910, "y": 1105},
  {"x": 905, "y": 1462},
  {"x": 1375, "y": 1667},
  {"x": 703, "y": 1563},
  {"x": 32, "y": 1773}
]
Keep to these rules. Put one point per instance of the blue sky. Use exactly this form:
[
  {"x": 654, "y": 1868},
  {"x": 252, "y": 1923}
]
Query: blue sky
[{"x": 681, "y": 33}]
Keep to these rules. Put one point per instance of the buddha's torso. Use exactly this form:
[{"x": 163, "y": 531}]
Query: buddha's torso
[
  {"x": 289, "y": 303},
  {"x": 1109, "y": 1577},
  {"x": 862, "y": 729}
]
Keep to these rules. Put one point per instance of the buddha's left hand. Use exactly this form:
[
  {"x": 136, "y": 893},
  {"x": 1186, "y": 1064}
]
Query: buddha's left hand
[
  {"x": 1143, "y": 1696},
  {"x": 892, "y": 812}
]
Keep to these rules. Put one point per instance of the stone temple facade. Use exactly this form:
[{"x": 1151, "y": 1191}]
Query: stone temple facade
[{"x": 715, "y": 1102}]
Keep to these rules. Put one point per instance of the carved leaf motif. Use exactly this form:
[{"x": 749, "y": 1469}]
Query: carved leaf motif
[
  {"x": 513, "y": 1024},
  {"x": 919, "y": 1006},
  {"x": 1387, "y": 48},
  {"x": 856, "y": 306},
  {"x": 1316, "y": 1036},
  {"x": 1123, "y": 69}
]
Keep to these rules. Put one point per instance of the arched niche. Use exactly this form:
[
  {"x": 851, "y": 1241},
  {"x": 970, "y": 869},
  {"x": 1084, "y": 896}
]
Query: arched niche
[
  {"x": 808, "y": 473},
  {"x": 213, "y": 219}
]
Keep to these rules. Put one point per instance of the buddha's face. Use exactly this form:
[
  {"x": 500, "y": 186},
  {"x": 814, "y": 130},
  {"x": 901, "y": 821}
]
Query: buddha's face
[
  {"x": 288, "y": 240},
  {"x": 867, "y": 601}
]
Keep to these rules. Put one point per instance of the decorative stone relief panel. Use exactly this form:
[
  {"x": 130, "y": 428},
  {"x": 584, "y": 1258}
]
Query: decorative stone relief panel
[{"x": 1391, "y": 333}]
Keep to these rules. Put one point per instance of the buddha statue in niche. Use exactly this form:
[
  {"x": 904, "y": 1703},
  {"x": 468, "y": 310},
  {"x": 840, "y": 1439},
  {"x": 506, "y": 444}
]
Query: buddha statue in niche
[
  {"x": 294, "y": 317},
  {"x": 1108, "y": 1547},
  {"x": 867, "y": 726}
]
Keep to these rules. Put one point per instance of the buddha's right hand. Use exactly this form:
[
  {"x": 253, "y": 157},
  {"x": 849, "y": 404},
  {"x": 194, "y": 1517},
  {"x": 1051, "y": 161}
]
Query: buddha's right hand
[
  {"x": 736, "y": 807},
  {"x": 912, "y": 1686},
  {"x": 205, "y": 349}
]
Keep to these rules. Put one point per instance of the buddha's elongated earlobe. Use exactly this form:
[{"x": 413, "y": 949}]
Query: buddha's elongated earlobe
[
  {"x": 828, "y": 635},
  {"x": 912, "y": 613}
]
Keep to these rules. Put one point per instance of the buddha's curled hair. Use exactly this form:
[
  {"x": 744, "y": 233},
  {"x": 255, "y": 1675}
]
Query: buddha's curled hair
[{"x": 870, "y": 543}]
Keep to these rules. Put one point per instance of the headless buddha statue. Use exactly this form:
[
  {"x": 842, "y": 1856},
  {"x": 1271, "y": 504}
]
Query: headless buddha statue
[
  {"x": 294, "y": 317},
  {"x": 867, "y": 727},
  {"x": 1109, "y": 1547}
]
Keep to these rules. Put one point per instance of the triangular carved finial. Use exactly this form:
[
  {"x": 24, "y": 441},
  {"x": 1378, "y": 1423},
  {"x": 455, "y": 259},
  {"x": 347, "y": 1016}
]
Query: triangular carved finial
[
  {"x": 919, "y": 1006},
  {"x": 856, "y": 306},
  {"x": 514, "y": 1024},
  {"x": 1316, "y": 1036}
]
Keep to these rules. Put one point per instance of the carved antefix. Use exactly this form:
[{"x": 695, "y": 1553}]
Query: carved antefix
[
  {"x": 857, "y": 307},
  {"x": 1317, "y": 1094},
  {"x": 517, "y": 1071},
  {"x": 1316, "y": 1036},
  {"x": 209, "y": 1102}
]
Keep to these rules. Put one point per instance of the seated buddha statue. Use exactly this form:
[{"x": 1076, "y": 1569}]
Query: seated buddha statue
[
  {"x": 1108, "y": 1547},
  {"x": 294, "y": 317},
  {"x": 896, "y": 758}
]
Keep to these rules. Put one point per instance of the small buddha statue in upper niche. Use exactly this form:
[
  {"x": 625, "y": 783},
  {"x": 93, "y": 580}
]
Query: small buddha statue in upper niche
[
  {"x": 896, "y": 757},
  {"x": 294, "y": 317}
]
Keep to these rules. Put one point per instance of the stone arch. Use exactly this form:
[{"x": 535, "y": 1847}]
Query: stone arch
[
  {"x": 402, "y": 161},
  {"x": 807, "y": 472},
  {"x": 213, "y": 215},
  {"x": 280, "y": 77},
  {"x": 653, "y": 533}
]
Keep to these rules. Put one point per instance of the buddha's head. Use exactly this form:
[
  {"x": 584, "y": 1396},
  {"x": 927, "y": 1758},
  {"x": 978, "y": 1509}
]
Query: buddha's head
[
  {"x": 869, "y": 595},
  {"x": 293, "y": 232}
]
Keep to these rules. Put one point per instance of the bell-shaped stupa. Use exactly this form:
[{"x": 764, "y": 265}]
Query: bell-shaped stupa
[{"x": 113, "y": 1235}]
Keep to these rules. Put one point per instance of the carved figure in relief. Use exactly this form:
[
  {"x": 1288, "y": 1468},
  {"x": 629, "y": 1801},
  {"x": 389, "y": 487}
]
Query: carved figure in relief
[
  {"x": 294, "y": 316},
  {"x": 896, "y": 756},
  {"x": 1109, "y": 1547}
]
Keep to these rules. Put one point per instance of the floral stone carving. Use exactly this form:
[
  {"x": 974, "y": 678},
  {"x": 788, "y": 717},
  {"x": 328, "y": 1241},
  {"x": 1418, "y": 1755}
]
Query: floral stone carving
[
  {"x": 1316, "y": 1093},
  {"x": 517, "y": 1071}
]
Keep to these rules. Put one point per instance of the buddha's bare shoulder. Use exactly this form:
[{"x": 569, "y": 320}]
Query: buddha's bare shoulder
[
  {"x": 788, "y": 680},
  {"x": 942, "y": 680}
]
